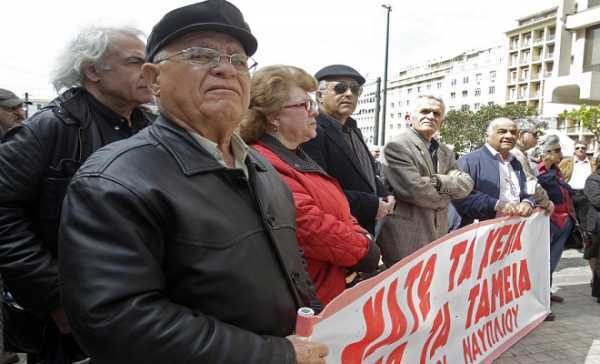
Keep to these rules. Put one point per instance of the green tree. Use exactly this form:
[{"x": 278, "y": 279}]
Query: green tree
[
  {"x": 466, "y": 129},
  {"x": 587, "y": 116}
]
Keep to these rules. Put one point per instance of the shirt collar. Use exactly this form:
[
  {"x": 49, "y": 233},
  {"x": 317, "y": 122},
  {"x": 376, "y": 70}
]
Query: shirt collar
[
  {"x": 497, "y": 155},
  {"x": 238, "y": 147}
]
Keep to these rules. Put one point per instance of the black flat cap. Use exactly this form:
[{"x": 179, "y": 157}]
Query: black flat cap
[
  {"x": 211, "y": 15},
  {"x": 8, "y": 99},
  {"x": 339, "y": 70}
]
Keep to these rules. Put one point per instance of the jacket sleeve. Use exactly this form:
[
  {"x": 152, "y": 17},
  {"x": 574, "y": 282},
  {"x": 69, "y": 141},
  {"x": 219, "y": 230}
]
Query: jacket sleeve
[
  {"x": 408, "y": 184},
  {"x": 455, "y": 182},
  {"x": 112, "y": 246},
  {"x": 323, "y": 236},
  {"x": 477, "y": 205},
  {"x": 592, "y": 190},
  {"x": 28, "y": 268}
]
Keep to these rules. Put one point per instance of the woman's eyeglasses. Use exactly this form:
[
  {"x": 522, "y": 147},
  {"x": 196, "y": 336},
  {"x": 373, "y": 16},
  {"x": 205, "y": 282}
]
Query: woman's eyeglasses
[{"x": 309, "y": 105}]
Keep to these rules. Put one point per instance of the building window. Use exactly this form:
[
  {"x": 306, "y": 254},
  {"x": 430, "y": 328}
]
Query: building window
[
  {"x": 392, "y": 105},
  {"x": 439, "y": 85},
  {"x": 453, "y": 95},
  {"x": 429, "y": 86},
  {"x": 477, "y": 106},
  {"x": 492, "y": 76},
  {"x": 409, "y": 91},
  {"x": 465, "y": 107},
  {"x": 466, "y": 79},
  {"x": 419, "y": 89},
  {"x": 478, "y": 78},
  {"x": 465, "y": 93},
  {"x": 591, "y": 61},
  {"x": 453, "y": 82},
  {"x": 452, "y": 108},
  {"x": 492, "y": 90},
  {"x": 477, "y": 92},
  {"x": 407, "y": 102}
]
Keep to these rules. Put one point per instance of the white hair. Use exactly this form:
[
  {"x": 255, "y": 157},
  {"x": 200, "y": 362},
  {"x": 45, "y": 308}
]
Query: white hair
[
  {"x": 88, "y": 47},
  {"x": 437, "y": 99}
]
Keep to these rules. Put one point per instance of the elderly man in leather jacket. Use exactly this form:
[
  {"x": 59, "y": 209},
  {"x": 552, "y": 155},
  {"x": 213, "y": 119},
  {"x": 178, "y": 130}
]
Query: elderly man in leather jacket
[
  {"x": 180, "y": 241},
  {"x": 101, "y": 72}
]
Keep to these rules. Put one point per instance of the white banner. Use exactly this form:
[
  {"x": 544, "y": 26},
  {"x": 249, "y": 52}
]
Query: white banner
[{"x": 464, "y": 298}]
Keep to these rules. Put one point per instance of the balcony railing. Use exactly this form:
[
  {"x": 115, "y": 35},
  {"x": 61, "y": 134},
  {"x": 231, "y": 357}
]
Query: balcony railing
[
  {"x": 526, "y": 43},
  {"x": 535, "y": 76},
  {"x": 550, "y": 36},
  {"x": 524, "y": 60},
  {"x": 534, "y": 95},
  {"x": 537, "y": 40},
  {"x": 549, "y": 55},
  {"x": 547, "y": 74},
  {"x": 536, "y": 58}
]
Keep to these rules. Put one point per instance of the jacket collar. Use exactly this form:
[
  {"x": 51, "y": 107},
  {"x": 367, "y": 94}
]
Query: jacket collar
[
  {"x": 300, "y": 161},
  {"x": 76, "y": 107},
  {"x": 333, "y": 129},
  {"x": 189, "y": 154}
]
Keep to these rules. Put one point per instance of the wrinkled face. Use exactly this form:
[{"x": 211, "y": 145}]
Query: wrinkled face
[
  {"x": 528, "y": 139},
  {"x": 427, "y": 117},
  {"x": 209, "y": 97},
  {"x": 553, "y": 155},
  {"x": 10, "y": 116},
  {"x": 504, "y": 136},
  {"x": 580, "y": 151},
  {"x": 376, "y": 153},
  {"x": 120, "y": 71},
  {"x": 297, "y": 122},
  {"x": 340, "y": 106}
]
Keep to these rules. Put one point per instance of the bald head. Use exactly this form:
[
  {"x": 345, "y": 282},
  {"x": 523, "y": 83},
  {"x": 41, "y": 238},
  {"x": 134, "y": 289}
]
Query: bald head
[{"x": 502, "y": 135}]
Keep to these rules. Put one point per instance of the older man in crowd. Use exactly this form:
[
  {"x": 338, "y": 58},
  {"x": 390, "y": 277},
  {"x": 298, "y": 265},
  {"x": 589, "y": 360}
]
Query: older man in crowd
[
  {"x": 528, "y": 138},
  {"x": 101, "y": 72},
  {"x": 499, "y": 180},
  {"x": 339, "y": 147},
  {"x": 424, "y": 177},
  {"x": 181, "y": 240},
  {"x": 575, "y": 171},
  {"x": 12, "y": 110}
]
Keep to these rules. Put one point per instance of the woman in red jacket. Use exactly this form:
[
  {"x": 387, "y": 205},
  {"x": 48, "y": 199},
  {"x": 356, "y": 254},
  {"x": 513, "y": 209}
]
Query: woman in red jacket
[{"x": 281, "y": 117}]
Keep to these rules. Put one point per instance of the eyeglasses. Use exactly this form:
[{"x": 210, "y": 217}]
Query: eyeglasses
[
  {"x": 342, "y": 87},
  {"x": 212, "y": 58},
  {"x": 580, "y": 148},
  {"x": 309, "y": 105}
]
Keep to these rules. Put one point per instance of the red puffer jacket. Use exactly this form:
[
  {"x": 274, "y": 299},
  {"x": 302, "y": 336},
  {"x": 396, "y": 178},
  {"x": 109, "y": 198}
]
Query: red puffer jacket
[{"x": 328, "y": 234}]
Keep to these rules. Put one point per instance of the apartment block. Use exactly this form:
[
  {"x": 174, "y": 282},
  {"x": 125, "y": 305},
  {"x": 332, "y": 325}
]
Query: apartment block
[
  {"x": 576, "y": 80},
  {"x": 531, "y": 58}
]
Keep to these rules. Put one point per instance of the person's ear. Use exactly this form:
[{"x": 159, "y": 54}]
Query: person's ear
[
  {"x": 319, "y": 96},
  {"x": 151, "y": 74},
  {"x": 90, "y": 72}
]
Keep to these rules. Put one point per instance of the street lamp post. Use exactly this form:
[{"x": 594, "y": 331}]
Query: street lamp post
[{"x": 385, "y": 72}]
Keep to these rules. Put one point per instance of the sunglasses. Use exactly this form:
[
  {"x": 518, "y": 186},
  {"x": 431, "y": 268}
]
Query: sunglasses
[
  {"x": 341, "y": 87},
  {"x": 309, "y": 105},
  {"x": 581, "y": 148}
]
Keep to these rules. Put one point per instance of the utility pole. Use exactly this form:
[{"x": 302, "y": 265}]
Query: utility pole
[
  {"x": 26, "y": 105},
  {"x": 377, "y": 107},
  {"x": 385, "y": 72}
]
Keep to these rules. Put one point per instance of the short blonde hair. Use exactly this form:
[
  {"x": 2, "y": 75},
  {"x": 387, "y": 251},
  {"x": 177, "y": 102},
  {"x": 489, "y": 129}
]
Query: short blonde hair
[{"x": 269, "y": 91}]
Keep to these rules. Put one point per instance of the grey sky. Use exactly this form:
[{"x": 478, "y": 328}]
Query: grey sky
[{"x": 308, "y": 34}]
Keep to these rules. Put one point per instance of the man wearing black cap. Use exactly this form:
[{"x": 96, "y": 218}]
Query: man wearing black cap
[
  {"x": 339, "y": 147},
  {"x": 179, "y": 243},
  {"x": 11, "y": 110},
  {"x": 100, "y": 74}
]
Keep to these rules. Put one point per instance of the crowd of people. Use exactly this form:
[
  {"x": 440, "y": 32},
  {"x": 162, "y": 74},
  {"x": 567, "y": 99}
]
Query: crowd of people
[{"x": 194, "y": 234}]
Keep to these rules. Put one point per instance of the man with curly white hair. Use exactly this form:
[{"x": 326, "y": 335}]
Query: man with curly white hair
[{"x": 100, "y": 75}]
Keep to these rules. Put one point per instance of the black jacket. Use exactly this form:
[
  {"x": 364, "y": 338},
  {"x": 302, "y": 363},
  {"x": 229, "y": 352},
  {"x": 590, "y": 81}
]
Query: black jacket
[
  {"x": 185, "y": 261},
  {"x": 592, "y": 192},
  {"x": 37, "y": 161},
  {"x": 331, "y": 151}
]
